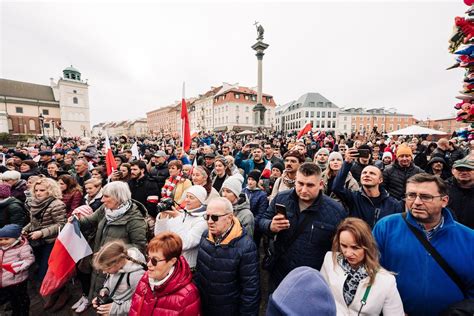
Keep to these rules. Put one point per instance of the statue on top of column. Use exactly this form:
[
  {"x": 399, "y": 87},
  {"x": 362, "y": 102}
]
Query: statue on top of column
[{"x": 260, "y": 31}]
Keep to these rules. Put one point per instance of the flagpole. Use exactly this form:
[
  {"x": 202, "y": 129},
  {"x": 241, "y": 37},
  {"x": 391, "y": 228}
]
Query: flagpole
[{"x": 182, "y": 122}]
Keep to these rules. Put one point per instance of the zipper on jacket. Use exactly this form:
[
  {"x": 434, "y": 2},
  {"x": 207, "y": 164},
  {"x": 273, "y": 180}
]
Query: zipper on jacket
[{"x": 311, "y": 235}]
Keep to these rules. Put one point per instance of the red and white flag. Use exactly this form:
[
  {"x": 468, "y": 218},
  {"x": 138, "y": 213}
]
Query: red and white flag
[
  {"x": 70, "y": 247},
  {"x": 306, "y": 128},
  {"x": 109, "y": 157},
  {"x": 58, "y": 144},
  {"x": 185, "y": 130},
  {"x": 267, "y": 171}
]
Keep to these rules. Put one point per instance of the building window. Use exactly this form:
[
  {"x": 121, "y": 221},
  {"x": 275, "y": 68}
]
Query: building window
[
  {"x": 334, "y": 114},
  {"x": 46, "y": 125},
  {"x": 74, "y": 100},
  {"x": 345, "y": 118},
  {"x": 323, "y": 114},
  {"x": 317, "y": 124},
  {"x": 329, "y": 114},
  {"x": 19, "y": 109},
  {"x": 360, "y": 127},
  {"x": 318, "y": 114},
  {"x": 353, "y": 128},
  {"x": 333, "y": 124},
  {"x": 312, "y": 113},
  {"x": 10, "y": 124},
  {"x": 322, "y": 124},
  {"x": 237, "y": 96},
  {"x": 306, "y": 114},
  {"x": 45, "y": 112},
  {"x": 74, "y": 91},
  {"x": 345, "y": 127},
  {"x": 32, "y": 124}
]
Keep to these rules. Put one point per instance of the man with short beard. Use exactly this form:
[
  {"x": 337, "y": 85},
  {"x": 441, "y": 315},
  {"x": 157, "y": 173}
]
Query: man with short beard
[
  {"x": 292, "y": 159},
  {"x": 256, "y": 161},
  {"x": 82, "y": 172},
  {"x": 321, "y": 158},
  {"x": 372, "y": 202},
  {"x": 461, "y": 191},
  {"x": 144, "y": 189}
]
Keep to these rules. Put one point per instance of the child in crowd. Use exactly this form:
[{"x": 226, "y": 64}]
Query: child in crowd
[{"x": 16, "y": 256}]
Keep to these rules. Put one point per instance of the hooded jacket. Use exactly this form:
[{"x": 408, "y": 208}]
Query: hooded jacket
[
  {"x": 258, "y": 201},
  {"x": 189, "y": 226},
  {"x": 360, "y": 205},
  {"x": 244, "y": 215},
  {"x": 461, "y": 202},
  {"x": 12, "y": 211},
  {"x": 227, "y": 274},
  {"x": 20, "y": 250},
  {"x": 445, "y": 173},
  {"x": 395, "y": 178},
  {"x": 178, "y": 296},
  {"x": 133, "y": 272},
  {"x": 18, "y": 190}
]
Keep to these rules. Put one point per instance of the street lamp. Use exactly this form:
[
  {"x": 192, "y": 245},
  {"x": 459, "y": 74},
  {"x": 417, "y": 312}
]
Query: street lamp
[
  {"x": 52, "y": 122},
  {"x": 59, "y": 128},
  {"x": 41, "y": 119}
]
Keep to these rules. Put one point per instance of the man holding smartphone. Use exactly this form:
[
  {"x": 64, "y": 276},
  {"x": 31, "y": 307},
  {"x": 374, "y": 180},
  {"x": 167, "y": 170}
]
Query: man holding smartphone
[{"x": 305, "y": 234}]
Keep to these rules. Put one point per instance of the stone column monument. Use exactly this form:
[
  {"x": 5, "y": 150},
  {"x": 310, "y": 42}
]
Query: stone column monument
[{"x": 259, "y": 47}]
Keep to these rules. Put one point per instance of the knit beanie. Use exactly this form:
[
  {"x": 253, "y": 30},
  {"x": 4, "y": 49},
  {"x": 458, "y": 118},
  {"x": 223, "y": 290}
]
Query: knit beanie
[
  {"x": 199, "y": 192},
  {"x": 234, "y": 184},
  {"x": 322, "y": 151},
  {"x": 5, "y": 191},
  {"x": 279, "y": 166},
  {"x": 10, "y": 231},
  {"x": 335, "y": 155},
  {"x": 254, "y": 174},
  {"x": 302, "y": 292},
  {"x": 387, "y": 154},
  {"x": 404, "y": 150}
]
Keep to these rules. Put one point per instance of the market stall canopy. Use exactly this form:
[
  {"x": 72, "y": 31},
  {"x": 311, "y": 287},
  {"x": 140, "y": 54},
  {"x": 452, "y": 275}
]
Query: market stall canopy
[
  {"x": 246, "y": 133},
  {"x": 416, "y": 130}
]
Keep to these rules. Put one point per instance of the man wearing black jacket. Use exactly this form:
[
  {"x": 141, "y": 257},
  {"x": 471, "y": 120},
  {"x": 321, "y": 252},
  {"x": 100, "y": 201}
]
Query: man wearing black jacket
[
  {"x": 143, "y": 188},
  {"x": 160, "y": 170},
  {"x": 461, "y": 191}
]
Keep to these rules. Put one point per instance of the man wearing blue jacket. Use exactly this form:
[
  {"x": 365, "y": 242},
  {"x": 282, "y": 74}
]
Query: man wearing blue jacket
[
  {"x": 371, "y": 202},
  {"x": 424, "y": 286},
  {"x": 311, "y": 245}
]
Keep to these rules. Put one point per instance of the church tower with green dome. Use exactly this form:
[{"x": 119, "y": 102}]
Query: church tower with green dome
[{"x": 73, "y": 95}]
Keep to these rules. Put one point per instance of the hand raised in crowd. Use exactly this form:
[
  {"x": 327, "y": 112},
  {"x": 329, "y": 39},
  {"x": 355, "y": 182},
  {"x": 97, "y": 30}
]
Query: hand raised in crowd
[
  {"x": 351, "y": 155},
  {"x": 246, "y": 148},
  {"x": 170, "y": 213},
  {"x": 279, "y": 223}
]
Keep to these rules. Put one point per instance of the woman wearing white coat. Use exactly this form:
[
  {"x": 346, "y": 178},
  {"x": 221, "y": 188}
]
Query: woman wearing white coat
[
  {"x": 359, "y": 284},
  {"x": 188, "y": 223}
]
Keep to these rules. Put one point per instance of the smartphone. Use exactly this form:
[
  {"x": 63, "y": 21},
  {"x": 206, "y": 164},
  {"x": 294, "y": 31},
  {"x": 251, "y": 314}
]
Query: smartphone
[
  {"x": 281, "y": 209},
  {"x": 363, "y": 153}
]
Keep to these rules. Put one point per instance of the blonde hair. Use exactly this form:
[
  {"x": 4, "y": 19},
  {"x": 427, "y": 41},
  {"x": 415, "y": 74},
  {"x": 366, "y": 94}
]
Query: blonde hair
[
  {"x": 364, "y": 239},
  {"x": 111, "y": 253},
  {"x": 51, "y": 186}
]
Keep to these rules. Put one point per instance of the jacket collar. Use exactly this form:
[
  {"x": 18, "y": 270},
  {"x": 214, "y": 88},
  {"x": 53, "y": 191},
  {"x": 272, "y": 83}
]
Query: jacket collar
[
  {"x": 445, "y": 212},
  {"x": 235, "y": 233}
]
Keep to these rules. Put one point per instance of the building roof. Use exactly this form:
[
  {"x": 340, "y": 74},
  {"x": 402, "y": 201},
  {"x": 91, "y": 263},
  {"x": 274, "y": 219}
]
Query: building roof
[
  {"x": 26, "y": 90},
  {"x": 311, "y": 99},
  {"x": 71, "y": 68}
]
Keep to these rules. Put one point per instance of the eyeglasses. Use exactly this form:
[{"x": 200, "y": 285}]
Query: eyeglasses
[
  {"x": 154, "y": 261},
  {"x": 411, "y": 196},
  {"x": 213, "y": 217}
]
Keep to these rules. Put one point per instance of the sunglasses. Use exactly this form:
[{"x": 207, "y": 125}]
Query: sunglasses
[
  {"x": 213, "y": 217},
  {"x": 154, "y": 261}
]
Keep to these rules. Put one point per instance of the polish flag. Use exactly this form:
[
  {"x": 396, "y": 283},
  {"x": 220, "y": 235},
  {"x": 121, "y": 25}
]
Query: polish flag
[
  {"x": 70, "y": 247},
  {"x": 185, "y": 131},
  {"x": 58, "y": 144},
  {"x": 109, "y": 158},
  {"x": 308, "y": 126},
  {"x": 267, "y": 171}
]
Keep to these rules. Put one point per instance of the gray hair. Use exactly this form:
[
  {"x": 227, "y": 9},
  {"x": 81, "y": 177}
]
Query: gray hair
[
  {"x": 11, "y": 175},
  {"x": 228, "y": 208},
  {"x": 119, "y": 191}
]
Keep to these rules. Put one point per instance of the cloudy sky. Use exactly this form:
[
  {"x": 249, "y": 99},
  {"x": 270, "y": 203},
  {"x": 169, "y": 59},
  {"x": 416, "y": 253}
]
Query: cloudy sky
[{"x": 136, "y": 55}]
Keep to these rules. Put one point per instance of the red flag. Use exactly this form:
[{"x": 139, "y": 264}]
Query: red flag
[
  {"x": 109, "y": 158},
  {"x": 185, "y": 131},
  {"x": 267, "y": 171},
  {"x": 308, "y": 126}
]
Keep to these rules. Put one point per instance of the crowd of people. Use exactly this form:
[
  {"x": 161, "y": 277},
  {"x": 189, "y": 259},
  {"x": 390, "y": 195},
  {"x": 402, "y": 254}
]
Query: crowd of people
[{"x": 341, "y": 224}]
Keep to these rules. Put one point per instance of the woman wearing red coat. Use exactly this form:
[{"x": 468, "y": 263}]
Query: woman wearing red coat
[
  {"x": 72, "y": 193},
  {"x": 166, "y": 288}
]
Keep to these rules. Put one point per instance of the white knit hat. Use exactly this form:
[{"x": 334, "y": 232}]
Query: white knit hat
[
  {"x": 387, "y": 154},
  {"x": 234, "y": 184},
  {"x": 199, "y": 192}
]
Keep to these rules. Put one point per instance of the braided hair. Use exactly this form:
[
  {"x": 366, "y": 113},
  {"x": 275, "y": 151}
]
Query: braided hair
[{"x": 112, "y": 253}]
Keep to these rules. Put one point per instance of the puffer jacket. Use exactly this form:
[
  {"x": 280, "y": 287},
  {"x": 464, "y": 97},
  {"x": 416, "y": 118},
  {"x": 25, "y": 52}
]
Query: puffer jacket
[
  {"x": 178, "y": 296},
  {"x": 244, "y": 215},
  {"x": 315, "y": 240},
  {"x": 12, "y": 211},
  {"x": 189, "y": 226},
  {"x": 131, "y": 228},
  {"x": 20, "y": 250},
  {"x": 132, "y": 272},
  {"x": 47, "y": 216},
  {"x": 360, "y": 205},
  {"x": 395, "y": 178},
  {"x": 258, "y": 201},
  {"x": 227, "y": 274},
  {"x": 72, "y": 200},
  {"x": 94, "y": 202}
]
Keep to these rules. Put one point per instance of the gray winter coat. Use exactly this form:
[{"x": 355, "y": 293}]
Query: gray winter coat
[{"x": 245, "y": 216}]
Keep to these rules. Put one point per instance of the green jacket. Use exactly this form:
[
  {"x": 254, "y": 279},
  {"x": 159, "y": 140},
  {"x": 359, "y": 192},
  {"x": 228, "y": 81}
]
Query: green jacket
[{"x": 131, "y": 228}]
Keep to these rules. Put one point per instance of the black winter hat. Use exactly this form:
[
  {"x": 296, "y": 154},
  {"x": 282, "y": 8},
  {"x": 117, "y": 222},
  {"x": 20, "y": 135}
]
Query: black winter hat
[
  {"x": 254, "y": 174},
  {"x": 279, "y": 166}
]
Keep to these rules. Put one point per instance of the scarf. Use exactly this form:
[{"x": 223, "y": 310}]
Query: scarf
[
  {"x": 287, "y": 181},
  {"x": 352, "y": 280},
  {"x": 156, "y": 283},
  {"x": 170, "y": 185},
  {"x": 113, "y": 215},
  {"x": 37, "y": 206}
]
